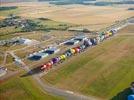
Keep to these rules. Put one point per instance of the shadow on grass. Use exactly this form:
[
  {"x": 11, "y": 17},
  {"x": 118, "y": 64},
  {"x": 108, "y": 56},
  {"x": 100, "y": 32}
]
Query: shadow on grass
[
  {"x": 123, "y": 95},
  {"x": 32, "y": 72}
]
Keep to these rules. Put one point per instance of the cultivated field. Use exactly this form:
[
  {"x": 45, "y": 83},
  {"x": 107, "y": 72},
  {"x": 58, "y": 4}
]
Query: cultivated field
[
  {"x": 103, "y": 71},
  {"x": 78, "y": 14}
]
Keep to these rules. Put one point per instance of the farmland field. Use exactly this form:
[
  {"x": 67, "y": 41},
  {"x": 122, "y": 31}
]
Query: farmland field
[
  {"x": 102, "y": 71},
  {"x": 76, "y": 14},
  {"x": 23, "y": 89}
]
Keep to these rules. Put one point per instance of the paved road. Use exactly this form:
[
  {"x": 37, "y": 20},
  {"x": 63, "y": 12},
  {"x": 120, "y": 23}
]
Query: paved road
[{"x": 66, "y": 94}]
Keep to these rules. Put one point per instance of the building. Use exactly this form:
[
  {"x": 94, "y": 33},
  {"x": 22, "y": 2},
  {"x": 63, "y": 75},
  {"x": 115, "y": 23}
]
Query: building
[
  {"x": 25, "y": 41},
  {"x": 51, "y": 50},
  {"x": 72, "y": 42},
  {"x": 38, "y": 56},
  {"x": 43, "y": 53},
  {"x": 80, "y": 38}
]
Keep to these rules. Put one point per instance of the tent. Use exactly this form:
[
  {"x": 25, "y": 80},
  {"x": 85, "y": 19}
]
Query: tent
[
  {"x": 51, "y": 62},
  {"x": 55, "y": 60},
  {"x": 77, "y": 49},
  {"x": 93, "y": 41},
  {"x": 43, "y": 67},
  {"x": 102, "y": 33},
  {"x": 68, "y": 53},
  {"x": 102, "y": 37},
  {"x": 113, "y": 31},
  {"x": 72, "y": 51},
  {"x": 82, "y": 47},
  {"x": 98, "y": 39},
  {"x": 106, "y": 35},
  {"x": 110, "y": 33},
  {"x": 87, "y": 43},
  {"x": 49, "y": 65}
]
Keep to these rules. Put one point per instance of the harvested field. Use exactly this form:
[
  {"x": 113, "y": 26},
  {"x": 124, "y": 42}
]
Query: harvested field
[{"x": 77, "y": 14}]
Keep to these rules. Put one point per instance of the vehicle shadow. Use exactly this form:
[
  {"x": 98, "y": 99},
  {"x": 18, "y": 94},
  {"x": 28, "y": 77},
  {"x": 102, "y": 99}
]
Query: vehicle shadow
[
  {"x": 33, "y": 71},
  {"x": 123, "y": 95}
]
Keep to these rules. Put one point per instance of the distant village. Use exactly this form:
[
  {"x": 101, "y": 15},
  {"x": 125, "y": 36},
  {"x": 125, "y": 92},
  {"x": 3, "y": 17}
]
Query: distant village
[{"x": 18, "y": 22}]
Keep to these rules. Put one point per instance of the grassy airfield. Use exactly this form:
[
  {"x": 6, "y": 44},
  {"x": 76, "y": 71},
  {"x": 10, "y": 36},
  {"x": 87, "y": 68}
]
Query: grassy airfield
[
  {"x": 23, "y": 89},
  {"x": 102, "y": 71}
]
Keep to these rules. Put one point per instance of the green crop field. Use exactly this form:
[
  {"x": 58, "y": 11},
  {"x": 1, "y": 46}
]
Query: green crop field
[
  {"x": 20, "y": 88},
  {"x": 104, "y": 71}
]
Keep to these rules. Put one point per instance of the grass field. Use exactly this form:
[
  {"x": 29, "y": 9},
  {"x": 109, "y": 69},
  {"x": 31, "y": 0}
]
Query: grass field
[
  {"x": 102, "y": 71},
  {"x": 19, "y": 88},
  {"x": 9, "y": 32}
]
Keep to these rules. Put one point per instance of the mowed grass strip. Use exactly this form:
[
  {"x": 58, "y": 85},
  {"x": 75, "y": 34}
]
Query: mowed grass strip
[
  {"x": 76, "y": 62},
  {"x": 101, "y": 71},
  {"x": 18, "y": 88}
]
